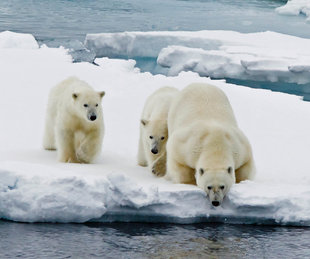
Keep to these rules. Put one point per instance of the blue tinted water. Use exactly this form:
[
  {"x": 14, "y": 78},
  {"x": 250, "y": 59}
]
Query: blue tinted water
[
  {"x": 65, "y": 20},
  {"x": 137, "y": 240}
]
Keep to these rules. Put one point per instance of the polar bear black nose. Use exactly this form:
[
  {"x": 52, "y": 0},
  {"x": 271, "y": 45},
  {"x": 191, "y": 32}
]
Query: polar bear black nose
[
  {"x": 215, "y": 203},
  {"x": 93, "y": 117},
  {"x": 154, "y": 151}
]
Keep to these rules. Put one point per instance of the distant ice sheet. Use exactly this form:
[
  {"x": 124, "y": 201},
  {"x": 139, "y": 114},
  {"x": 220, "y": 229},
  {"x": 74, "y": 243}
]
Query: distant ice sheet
[
  {"x": 34, "y": 187},
  {"x": 295, "y": 7},
  {"x": 264, "y": 56}
]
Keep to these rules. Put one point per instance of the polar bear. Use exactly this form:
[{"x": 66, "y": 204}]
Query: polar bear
[
  {"x": 153, "y": 130},
  {"x": 205, "y": 145},
  {"x": 74, "y": 121}
]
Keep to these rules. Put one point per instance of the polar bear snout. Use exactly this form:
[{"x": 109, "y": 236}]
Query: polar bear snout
[
  {"x": 92, "y": 116},
  {"x": 216, "y": 197},
  {"x": 155, "y": 146},
  {"x": 154, "y": 150},
  {"x": 215, "y": 203}
]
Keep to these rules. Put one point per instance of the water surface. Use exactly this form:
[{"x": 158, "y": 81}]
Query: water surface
[
  {"x": 60, "y": 21},
  {"x": 137, "y": 240}
]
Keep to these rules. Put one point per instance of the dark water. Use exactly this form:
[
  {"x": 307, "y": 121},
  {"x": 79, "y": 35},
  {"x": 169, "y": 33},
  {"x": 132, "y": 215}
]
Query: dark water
[{"x": 137, "y": 240}]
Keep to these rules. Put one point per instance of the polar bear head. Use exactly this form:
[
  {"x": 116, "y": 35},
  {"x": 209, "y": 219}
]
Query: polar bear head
[
  {"x": 155, "y": 135},
  {"x": 87, "y": 104},
  {"x": 215, "y": 182}
]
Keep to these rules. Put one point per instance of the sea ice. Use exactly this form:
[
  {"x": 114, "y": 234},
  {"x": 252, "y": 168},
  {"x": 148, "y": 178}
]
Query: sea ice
[
  {"x": 34, "y": 187},
  {"x": 295, "y": 7},
  {"x": 13, "y": 40},
  {"x": 263, "y": 56}
]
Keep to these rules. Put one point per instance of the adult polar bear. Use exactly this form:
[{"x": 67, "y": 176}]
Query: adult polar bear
[
  {"x": 74, "y": 122},
  {"x": 154, "y": 130},
  {"x": 205, "y": 145}
]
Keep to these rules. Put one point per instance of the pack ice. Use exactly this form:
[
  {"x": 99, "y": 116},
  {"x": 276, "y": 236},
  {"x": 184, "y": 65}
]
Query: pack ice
[
  {"x": 295, "y": 7},
  {"x": 262, "y": 56},
  {"x": 34, "y": 187}
]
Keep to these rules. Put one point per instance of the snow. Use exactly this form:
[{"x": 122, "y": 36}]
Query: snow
[
  {"x": 263, "y": 56},
  {"x": 295, "y": 7},
  {"x": 237, "y": 63},
  {"x": 34, "y": 187},
  {"x": 13, "y": 40}
]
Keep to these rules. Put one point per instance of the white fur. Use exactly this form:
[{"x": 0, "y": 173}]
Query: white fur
[
  {"x": 68, "y": 126},
  {"x": 205, "y": 141},
  {"x": 153, "y": 130}
]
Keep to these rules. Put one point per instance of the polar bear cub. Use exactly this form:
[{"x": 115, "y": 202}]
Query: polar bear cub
[
  {"x": 154, "y": 131},
  {"x": 205, "y": 145},
  {"x": 74, "y": 121}
]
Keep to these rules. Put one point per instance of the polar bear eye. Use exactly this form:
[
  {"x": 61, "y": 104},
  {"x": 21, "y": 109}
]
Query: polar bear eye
[
  {"x": 85, "y": 105},
  {"x": 162, "y": 138},
  {"x": 96, "y": 104},
  {"x": 151, "y": 137},
  {"x": 222, "y": 187},
  {"x": 209, "y": 187}
]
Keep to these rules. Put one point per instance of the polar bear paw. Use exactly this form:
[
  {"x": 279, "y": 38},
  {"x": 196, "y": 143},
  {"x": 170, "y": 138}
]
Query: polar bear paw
[{"x": 159, "y": 167}]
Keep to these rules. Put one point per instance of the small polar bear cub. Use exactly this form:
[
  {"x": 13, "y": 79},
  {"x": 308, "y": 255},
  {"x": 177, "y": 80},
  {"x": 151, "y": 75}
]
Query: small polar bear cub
[
  {"x": 74, "y": 121},
  {"x": 205, "y": 145},
  {"x": 154, "y": 131}
]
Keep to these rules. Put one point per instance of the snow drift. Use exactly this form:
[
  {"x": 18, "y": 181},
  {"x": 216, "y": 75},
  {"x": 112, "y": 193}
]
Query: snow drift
[
  {"x": 263, "y": 56},
  {"x": 34, "y": 187}
]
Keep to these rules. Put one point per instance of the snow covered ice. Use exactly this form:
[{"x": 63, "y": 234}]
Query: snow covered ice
[
  {"x": 295, "y": 7},
  {"x": 34, "y": 187},
  {"x": 12, "y": 40},
  {"x": 263, "y": 56}
]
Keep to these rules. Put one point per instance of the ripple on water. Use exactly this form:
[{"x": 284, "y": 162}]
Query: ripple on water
[{"x": 137, "y": 240}]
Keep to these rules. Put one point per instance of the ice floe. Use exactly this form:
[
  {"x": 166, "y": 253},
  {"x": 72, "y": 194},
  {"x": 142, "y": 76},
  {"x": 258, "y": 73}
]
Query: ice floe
[
  {"x": 263, "y": 56},
  {"x": 295, "y": 7},
  {"x": 34, "y": 187},
  {"x": 13, "y": 40}
]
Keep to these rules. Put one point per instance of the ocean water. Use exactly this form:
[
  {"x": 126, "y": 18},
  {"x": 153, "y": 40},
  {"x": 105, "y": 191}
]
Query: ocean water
[
  {"x": 137, "y": 240},
  {"x": 67, "y": 20}
]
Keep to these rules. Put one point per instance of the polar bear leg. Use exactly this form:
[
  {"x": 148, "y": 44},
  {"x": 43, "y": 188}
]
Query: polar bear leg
[
  {"x": 88, "y": 147},
  {"x": 141, "y": 153},
  {"x": 158, "y": 167},
  {"x": 179, "y": 173},
  {"x": 65, "y": 144},
  {"x": 246, "y": 171}
]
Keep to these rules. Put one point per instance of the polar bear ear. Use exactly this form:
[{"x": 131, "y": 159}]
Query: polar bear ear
[
  {"x": 144, "y": 122},
  {"x": 102, "y": 93},
  {"x": 75, "y": 96},
  {"x": 201, "y": 171},
  {"x": 229, "y": 170}
]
